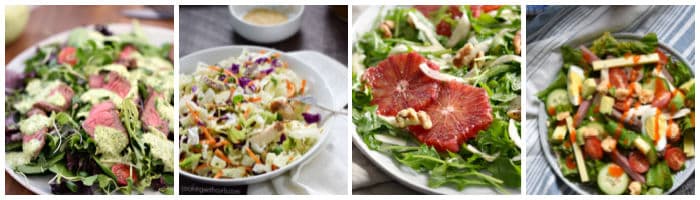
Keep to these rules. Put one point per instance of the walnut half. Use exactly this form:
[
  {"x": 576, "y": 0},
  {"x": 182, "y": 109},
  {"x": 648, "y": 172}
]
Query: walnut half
[{"x": 409, "y": 117}]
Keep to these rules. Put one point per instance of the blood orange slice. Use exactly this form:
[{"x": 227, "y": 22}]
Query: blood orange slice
[
  {"x": 398, "y": 83},
  {"x": 458, "y": 114}
]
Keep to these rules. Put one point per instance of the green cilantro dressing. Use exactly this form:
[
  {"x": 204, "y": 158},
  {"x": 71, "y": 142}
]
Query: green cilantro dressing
[{"x": 110, "y": 141}]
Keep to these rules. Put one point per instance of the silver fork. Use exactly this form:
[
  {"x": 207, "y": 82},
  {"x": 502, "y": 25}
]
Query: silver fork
[{"x": 312, "y": 101}]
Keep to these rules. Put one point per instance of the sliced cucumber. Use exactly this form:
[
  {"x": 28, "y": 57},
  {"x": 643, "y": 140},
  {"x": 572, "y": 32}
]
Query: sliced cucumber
[
  {"x": 559, "y": 101},
  {"x": 612, "y": 185}
]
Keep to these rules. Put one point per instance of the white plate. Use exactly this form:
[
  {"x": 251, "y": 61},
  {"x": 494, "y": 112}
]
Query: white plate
[
  {"x": 318, "y": 89},
  {"x": 678, "y": 178},
  {"x": 402, "y": 173},
  {"x": 156, "y": 35}
]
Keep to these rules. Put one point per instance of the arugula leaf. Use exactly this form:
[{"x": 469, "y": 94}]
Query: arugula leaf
[{"x": 506, "y": 170}]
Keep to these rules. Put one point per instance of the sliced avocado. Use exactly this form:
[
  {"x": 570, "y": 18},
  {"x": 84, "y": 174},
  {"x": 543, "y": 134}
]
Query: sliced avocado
[
  {"x": 687, "y": 86},
  {"x": 589, "y": 87},
  {"x": 606, "y": 105},
  {"x": 689, "y": 145},
  {"x": 677, "y": 102}
]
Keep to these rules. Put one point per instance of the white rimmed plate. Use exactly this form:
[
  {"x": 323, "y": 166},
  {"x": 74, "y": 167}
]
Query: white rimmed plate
[
  {"x": 401, "y": 173},
  {"x": 156, "y": 35}
]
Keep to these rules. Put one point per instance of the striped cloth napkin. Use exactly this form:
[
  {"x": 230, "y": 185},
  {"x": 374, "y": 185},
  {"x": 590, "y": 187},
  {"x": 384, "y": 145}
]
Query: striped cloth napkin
[{"x": 560, "y": 25}]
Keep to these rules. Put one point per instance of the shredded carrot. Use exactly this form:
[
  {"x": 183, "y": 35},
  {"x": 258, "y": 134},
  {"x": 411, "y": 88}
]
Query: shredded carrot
[
  {"x": 207, "y": 135},
  {"x": 290, "y": 88},
  {"x": 303, "y": 86},
  {"x": 221, "y": 143},
  {"x": 214, "y": 68},
  {"x": 246, "y": 113},
  {"x": 263, "y": 51},
  {"x": 192, "y": 112},
  {"x": 254, "y": 99},
  {"x": 228, "y": 73},
  {"x": 274, "y": 167},
  {"x": 201, "y": 167},
  {"x": 221, "y": 155},
  {"x": 615, "y": 170},
  {"x": 253, "y": 156},
  {"x": 276, "y": 55},
  {"x": 290, "y": 159},
  {"x": 219, "y": 174}
]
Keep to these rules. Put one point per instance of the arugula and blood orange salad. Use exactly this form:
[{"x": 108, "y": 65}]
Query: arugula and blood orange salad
[
  {"x": 438, "y": 89},
  {"x": 621, "y": 115}
]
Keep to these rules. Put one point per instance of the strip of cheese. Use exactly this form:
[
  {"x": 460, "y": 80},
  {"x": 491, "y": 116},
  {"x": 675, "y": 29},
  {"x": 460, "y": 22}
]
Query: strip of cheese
[
  {"x": 577, "y": 151},
  {"x": 626, "y": 61}
]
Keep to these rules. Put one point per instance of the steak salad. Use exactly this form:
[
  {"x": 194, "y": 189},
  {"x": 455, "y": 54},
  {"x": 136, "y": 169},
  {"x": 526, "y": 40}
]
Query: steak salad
[
  {"x": 438, "y": 89},
  {"x": 95, "y": 112}
]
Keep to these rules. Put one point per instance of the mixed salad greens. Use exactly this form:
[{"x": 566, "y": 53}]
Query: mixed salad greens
[
  {"x": 471, "y": 48},
  {"x": 632, "y": 109},
  {"x": 242, "y": 117},
  {"x": 95, "y": 112}
]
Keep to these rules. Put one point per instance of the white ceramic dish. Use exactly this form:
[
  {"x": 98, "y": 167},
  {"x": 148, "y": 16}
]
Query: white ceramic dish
[
  {"x": 267, "y": 34},
  {"x": 678, "y": 178},
  {"x": 401, "y": 173},
  {"x": 157, "y": 36},
  {"x": 318, "y": 89}
]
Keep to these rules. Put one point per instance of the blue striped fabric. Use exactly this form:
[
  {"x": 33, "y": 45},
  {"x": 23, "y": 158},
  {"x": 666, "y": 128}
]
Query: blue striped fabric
[{"x": 558, "y": 25}]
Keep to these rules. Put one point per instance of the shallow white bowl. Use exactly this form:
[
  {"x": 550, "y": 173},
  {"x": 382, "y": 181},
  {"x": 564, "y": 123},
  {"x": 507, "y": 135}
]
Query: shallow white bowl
[
  {"x": 317, "y": 89},
  {"x": 263, "y": 33}
]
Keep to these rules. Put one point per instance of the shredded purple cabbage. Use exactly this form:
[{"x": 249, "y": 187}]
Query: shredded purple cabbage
[
  {"x": 194, "y": 89},
  {"x": 235, "y": 67},
  {"x": 311, "y": 118},
  {"x": 243, "y": 81},
  {"x": 260, "y": 60},
  {"x": 283, "y": 137},
  {"x": 269, "y": 70}
]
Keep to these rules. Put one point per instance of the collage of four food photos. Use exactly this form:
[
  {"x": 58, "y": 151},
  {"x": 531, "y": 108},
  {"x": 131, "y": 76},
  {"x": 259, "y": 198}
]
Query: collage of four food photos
[{"x": 349, "y": 99}]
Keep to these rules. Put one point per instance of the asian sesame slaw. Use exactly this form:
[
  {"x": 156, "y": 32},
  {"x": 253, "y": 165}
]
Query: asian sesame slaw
[{"x": 240, "y": 117}]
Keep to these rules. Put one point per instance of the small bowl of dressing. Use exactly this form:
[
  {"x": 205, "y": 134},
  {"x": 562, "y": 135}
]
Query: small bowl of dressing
[{"x": 266, "y": 23}]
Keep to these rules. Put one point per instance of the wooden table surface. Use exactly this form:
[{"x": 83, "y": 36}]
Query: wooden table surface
[{"x": 46, "y": 21}]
